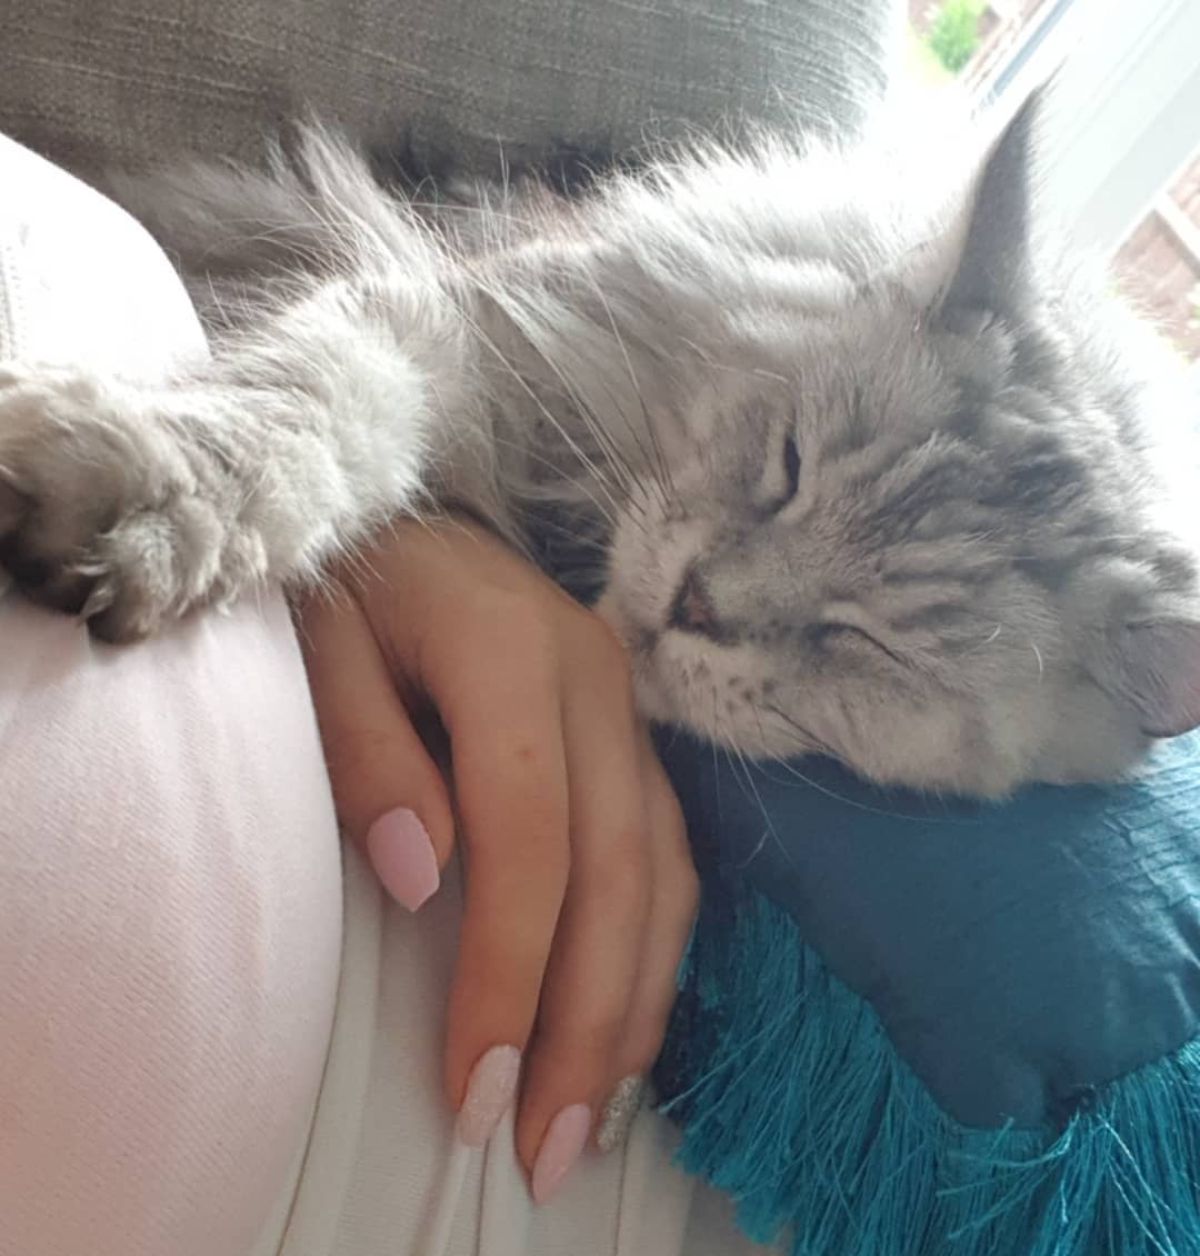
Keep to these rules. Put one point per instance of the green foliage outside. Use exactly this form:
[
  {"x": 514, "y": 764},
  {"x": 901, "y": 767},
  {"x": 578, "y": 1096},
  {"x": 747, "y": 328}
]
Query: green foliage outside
[
  {"x": 920, "y": 63},
  {"x": 954, "y": 33}
]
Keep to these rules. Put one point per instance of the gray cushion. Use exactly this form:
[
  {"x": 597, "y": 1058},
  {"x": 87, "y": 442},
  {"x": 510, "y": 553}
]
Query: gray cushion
[{"x": 92, "y": 82}]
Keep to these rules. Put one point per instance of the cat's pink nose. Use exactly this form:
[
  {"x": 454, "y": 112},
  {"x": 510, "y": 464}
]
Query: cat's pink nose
[{"x": 692, "y": 611}]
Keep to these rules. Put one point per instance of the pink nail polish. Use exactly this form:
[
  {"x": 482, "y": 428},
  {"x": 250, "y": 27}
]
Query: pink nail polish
[
  {"x": 403, "y": 858},
  {"x": 564, "y": 1141},
  {"x": 490, "y": 1091}
]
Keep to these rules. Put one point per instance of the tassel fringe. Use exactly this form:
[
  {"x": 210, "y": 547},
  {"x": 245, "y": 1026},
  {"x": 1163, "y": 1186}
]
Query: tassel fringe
[{"x": 792, "y": 1099}]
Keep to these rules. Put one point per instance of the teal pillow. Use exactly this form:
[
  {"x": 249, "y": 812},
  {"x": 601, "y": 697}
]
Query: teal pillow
[{"x": 918, "y": 1025}]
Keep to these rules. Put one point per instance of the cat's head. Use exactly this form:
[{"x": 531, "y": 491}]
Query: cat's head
[{"x": 906, "y": 502}]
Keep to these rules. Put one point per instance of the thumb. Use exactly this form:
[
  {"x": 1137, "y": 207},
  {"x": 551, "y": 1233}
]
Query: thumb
[{"x": 390, "y": 797}]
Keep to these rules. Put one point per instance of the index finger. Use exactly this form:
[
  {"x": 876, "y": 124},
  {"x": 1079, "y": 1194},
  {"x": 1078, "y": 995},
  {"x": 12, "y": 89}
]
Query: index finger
[{"x": 389, "y": 794}]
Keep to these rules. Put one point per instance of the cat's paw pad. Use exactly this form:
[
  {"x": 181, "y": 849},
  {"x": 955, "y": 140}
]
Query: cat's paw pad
[{"x": 101, "y": 515}]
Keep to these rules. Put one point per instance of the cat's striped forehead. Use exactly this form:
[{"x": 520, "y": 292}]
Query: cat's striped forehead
[{"x": 940, "y": 464}]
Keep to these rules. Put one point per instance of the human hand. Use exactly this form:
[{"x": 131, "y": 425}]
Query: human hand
[{"x": 580, "y": 892}]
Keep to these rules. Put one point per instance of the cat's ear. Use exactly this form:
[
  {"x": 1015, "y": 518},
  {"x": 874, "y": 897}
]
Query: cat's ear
[
  {"x": 1155, "y": 668},
  {"x": 992, "y": 271}
]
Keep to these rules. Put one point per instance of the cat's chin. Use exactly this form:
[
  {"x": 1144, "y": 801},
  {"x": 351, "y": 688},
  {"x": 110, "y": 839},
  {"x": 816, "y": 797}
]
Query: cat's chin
[
  {"x": 677, "y": 682},
  {"x": 665, "y": 696}
]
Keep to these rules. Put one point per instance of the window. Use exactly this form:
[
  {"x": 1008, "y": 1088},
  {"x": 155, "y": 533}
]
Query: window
[{"x": 1122, "y": 165}]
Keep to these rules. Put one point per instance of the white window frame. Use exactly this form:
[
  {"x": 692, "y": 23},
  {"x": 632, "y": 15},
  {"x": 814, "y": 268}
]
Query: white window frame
[{"x": 1125, "y": 114}]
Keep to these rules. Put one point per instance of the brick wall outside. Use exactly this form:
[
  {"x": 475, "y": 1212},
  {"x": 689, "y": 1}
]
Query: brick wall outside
[
  {"x": 1160, "y": 274},
  {"x": 1153, "y": 266}
]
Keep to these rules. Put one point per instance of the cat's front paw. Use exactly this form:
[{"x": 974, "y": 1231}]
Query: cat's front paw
[{"x": 105, "y": 511}]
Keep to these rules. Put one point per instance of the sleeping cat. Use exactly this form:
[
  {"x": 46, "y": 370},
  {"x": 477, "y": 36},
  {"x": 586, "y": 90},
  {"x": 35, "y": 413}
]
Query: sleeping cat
[{"x": 872, "y": 471}]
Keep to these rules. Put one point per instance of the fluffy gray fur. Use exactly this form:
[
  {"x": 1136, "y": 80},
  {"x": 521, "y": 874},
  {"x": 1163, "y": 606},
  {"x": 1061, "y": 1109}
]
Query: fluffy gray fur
[{"x": 874, "y": 473}]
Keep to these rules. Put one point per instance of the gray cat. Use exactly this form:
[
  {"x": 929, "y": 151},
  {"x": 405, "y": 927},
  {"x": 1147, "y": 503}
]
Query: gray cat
[{"x": 874, "y": 472}]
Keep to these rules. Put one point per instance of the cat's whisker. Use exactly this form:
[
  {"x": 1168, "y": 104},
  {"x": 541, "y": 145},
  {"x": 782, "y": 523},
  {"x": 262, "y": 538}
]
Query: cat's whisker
[
  {"x": 746, "y": 785},
  {"x": 757, "y": 372},
  {"x": 857, "y": 803},
  {"x": 595, "y": 429},
  {"x": 547, "y": 414},
  {"x": 604, "y": 437},
  {"x": 811, "y": 741},
  {"x": 608, "y": 447},
  {"x": 743, "y": 773},
  {"x": 657, "y": 465},
  {"x": 992, "y": 637},
  {"x": 502, "y": 442},
  {"x": 788, "y": 766},
  {"x": 594, "y": 564},
  {"x": 607, "y": 441}
]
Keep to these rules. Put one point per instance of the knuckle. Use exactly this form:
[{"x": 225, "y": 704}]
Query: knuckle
[
  {"x": 521, "y": 624},
  {"x": 681, "y": 885},
  {"x": 672, "y": 816},
  {"x": 554, "y": 861},
  {"x": 677, "y": 871},
  {"x": 603, "y": 644},
  {"x": 676, "y": 884},
  {"x": 643, "y": 1041},
  {"x": 591, "y": 1035},
  {"x": 688, "y": 893},
  {"x": 608, "y": 643},
  {"x": 532, "y": 868},
  {"x": 615, "y": 878},
  {"x": 542, "y": 857},
  {"x": 624, "y": 876}
]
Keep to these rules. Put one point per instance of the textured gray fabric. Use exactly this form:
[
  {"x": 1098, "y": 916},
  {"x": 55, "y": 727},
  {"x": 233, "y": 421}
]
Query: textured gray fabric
[{"x": 93, "y": 82}]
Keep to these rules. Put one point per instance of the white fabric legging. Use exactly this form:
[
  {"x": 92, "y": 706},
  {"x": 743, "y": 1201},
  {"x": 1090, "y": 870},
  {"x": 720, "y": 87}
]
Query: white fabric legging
[{"x": 215, "y": 1040}]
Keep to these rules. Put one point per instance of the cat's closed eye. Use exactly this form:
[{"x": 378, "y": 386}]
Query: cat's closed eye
[
  {"x": 831, "y": 634},
  {"x": 791, "y": 468}
]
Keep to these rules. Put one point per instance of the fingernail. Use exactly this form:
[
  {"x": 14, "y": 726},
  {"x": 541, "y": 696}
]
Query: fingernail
[
  {"x": 564, "y": 1141},
  {"x": 619, "y": 1112},
  {"x": 490, "y": 1091},
  {"x": 402, "y": 856}
]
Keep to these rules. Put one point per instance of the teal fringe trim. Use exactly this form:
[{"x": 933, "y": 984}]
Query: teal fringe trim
[{"x": 793, "y": 1100}]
